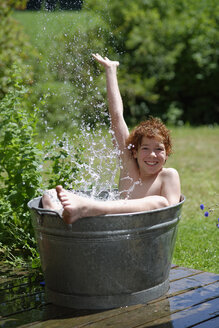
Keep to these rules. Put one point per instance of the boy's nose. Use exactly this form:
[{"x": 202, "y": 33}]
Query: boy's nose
[{"x": 153, "y": 154}]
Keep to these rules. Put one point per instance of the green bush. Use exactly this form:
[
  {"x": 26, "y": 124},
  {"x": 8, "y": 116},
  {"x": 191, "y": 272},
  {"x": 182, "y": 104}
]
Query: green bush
[
  {"x": 19, "y": 172},
  {"x": 169, "y": 55},
  {"x": 62, "y": 161},
  {"x": 14, "y": 46},
  {"x": 26, "y": 169}
]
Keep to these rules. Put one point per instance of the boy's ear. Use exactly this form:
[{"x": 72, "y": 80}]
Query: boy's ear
[{"x": 134, "y": 153}]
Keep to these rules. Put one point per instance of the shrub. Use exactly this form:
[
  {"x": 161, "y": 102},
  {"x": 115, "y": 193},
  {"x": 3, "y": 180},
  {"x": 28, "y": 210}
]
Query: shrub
[
  {"x": 14, "y": 46},
  {"x": 22, "y": 161},
  {"x": 19, "y": 172},
  {"x": 169, "y": 56},
  {"x": 62, "y": 162},
  {"x": 54, "y": 4}
]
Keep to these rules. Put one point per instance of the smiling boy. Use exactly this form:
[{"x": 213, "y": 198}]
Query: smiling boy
[{"x": 144, "y": 183}]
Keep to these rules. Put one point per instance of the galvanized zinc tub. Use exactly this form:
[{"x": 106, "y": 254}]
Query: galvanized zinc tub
[{"x": 106, "y": 261}]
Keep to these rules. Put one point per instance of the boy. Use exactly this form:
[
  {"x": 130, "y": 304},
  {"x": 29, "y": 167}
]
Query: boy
[{"x": 144, "y": 184}]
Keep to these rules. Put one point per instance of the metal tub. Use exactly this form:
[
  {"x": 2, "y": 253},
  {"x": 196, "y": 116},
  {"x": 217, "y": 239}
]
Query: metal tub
[{"x": 106, "y": 261}]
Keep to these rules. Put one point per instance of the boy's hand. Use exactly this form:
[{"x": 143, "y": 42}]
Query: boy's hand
[{"x": 107, "y": 63}]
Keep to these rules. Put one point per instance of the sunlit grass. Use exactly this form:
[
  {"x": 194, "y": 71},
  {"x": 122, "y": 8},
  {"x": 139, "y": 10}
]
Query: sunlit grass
[
  {"x": 196, "y": 157},
  {"x": 42, "y": 26}
]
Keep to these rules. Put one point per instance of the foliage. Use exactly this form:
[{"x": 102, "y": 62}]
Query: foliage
[
  {"x": 18, "y": 153},
  {"x": 64, "y": 162},
  {"x": 169, "y": 56},
  {"x": 14, "y": 46},
  {"x": 167, "y": 50},
  {"x": 54, "y": 4},
  {"x": 19, "y": 171}
]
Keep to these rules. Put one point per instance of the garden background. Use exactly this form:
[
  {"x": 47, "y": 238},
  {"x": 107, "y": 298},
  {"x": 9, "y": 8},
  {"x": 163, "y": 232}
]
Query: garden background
[{"x": 50, "y": 88}]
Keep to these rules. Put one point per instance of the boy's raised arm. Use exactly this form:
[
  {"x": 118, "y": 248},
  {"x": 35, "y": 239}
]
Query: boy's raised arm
[{"x": 119, "y": 126}]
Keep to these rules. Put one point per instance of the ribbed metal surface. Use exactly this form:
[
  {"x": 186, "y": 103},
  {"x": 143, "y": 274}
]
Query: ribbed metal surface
[{"x": 106, "y": 261}]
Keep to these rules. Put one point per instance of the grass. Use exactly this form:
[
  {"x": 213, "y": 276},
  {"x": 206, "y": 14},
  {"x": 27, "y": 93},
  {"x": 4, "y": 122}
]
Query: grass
[
  {"x": 42, "y": 26},
  {"x": 196, "y": 157}
]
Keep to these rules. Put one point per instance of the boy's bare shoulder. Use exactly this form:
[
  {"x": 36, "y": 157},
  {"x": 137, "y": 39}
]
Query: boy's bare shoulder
[
  {"x": 170, "y": 189},
  {"x": 169, "y": 170},
  {"x": 169, "y": 173}
]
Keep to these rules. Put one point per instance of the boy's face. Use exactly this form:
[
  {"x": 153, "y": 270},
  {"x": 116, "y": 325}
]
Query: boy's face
[{"x": 151, "y": 155}]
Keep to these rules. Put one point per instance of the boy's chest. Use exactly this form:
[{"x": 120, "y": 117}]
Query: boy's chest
[{"x": 136, "y": 188}]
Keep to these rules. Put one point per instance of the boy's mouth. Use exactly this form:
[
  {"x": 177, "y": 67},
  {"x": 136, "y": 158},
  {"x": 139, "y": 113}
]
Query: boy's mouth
[{"x": 151, "y": 163}]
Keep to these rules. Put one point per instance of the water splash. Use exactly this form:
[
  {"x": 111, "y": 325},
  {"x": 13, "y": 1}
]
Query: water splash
[
  {"x": 72, "y": 85},
  {"x": 100, "y": 169},
  {"x": 75, "y": 90}
]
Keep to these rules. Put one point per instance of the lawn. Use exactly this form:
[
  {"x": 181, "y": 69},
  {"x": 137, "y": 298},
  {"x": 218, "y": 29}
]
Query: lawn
[
  {"x": 196, "y": 157},
  {"x": 43, "y": 26}
]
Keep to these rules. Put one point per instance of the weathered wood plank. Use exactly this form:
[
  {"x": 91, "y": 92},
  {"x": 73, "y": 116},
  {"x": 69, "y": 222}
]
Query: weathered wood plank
[
  {"x": 7, "y": 295},
  {"x": 205, "y": 277},
  {"x": 21, "y": 293},
  {"x": 25, "y": 304},
  {"x": 14, "y": 281},
  {"x": 180, "y": 272},
  {"x": 196, "y": 281},
  {"x": 194, "y": 297},
  {"x": 190, "y": 317},
  {"x": 51, "y": 314},
  {"x": 139, "y": 315},
  {"x": 212, "y": 323},
  {"x": 22, "y": 304},
  {"x": 147, "y": 316},
  {"x": 8, "y": 274}
]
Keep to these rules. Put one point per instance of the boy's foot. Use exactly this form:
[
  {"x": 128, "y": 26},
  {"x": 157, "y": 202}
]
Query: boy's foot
[
  {"x": 50, "y": 201},
  {"x": 75, "y": 207}
]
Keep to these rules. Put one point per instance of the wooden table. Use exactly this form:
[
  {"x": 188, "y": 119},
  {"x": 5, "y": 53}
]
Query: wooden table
[{"x": 192, "y": 301}]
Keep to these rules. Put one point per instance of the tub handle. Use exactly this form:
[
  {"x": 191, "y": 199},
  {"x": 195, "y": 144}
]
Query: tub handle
[{"x": 45, "y": 211}]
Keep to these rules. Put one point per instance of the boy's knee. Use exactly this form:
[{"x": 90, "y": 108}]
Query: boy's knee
[{"x": 163, "y": 202}]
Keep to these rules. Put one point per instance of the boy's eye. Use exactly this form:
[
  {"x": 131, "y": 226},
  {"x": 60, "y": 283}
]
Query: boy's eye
[{"x": 160, "y": 148}]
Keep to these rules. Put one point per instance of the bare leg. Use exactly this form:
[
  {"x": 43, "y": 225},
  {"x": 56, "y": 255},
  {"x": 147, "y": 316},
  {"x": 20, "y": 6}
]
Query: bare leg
[{"x": 76, "y": 207}]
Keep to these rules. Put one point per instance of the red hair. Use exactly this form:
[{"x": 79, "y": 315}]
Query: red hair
[{"x": 151, "y": 128}]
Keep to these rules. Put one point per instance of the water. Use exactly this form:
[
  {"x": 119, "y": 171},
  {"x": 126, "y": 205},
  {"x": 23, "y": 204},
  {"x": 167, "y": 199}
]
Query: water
[
  {"x": 73, "y": 86},
  {"x": 75, "y": 94},
  {"x": 99, "y": 169}
]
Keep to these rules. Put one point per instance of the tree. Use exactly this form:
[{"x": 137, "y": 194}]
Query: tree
[
  {"x": 54, "y": 4},
  {"x": 169, "y": 57}
]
